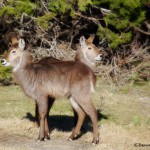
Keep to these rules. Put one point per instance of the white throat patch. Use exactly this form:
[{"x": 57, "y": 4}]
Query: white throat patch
[{"x": 18, "y": 65}]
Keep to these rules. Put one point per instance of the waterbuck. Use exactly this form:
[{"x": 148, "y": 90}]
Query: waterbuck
[
  {"x": 45, "y": 82},
  {"x": 87, "y": 53}
]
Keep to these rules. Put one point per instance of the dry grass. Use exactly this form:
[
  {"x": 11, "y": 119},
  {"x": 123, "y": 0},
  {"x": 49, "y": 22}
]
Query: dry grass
[{"x": 124, "y": 120}]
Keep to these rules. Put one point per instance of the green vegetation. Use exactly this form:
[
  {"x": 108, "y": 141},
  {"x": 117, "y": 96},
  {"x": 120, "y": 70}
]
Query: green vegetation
[
  {"x": 14, "y": 103},
  {"x": 17, "y": 7},
  {"x": 118, "y": 17},
  {"x": 5, "y": 75},
  {"x": 137, "y": 120},
  {"x": 123, "y": 105}
]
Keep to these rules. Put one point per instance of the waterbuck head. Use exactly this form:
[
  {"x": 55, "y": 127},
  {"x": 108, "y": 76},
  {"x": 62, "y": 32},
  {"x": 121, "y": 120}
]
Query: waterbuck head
[
  {"x": 88, "y": 53},
  {"x": 89, "y": 50},
  {"x": 14, "y": 53}
]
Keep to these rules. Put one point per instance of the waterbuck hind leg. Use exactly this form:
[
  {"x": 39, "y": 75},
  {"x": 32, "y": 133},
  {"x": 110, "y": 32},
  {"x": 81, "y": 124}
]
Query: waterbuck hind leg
[
  {"x": 80, "y": 116},
  {"x": 91, "y": 111}
]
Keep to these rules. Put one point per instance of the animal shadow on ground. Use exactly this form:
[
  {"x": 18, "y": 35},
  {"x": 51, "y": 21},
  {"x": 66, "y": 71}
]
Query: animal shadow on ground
[{"x": 66, "y": 123}]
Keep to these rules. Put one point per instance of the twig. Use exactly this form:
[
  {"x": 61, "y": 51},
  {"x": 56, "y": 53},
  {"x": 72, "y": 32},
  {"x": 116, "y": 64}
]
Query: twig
[
  {"x": 44, "y": 6},
  {"x": 147, "y": 24},
  {"x": 88, "y": 18},
  {"x": 2, "y": 5},
  {"x": 144, "y": 32}
]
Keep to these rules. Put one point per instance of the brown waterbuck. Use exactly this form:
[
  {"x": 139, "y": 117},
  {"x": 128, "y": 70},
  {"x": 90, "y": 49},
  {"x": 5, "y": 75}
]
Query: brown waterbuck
[
  {"x": 87, "y": 53},
  {"x": 45, "y": 82}
]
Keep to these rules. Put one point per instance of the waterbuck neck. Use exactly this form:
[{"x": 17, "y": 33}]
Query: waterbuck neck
[
  {"x": 83, "y": 58},
  {"x": 24, "y": 61},
  {"x": 25, "y": 77}
]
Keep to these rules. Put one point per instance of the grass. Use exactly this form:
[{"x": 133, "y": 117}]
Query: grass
[
  {"x": 126, "y": 105},
  {"x": 13, "y": 103},
  {"x": 123, "y": 116}
]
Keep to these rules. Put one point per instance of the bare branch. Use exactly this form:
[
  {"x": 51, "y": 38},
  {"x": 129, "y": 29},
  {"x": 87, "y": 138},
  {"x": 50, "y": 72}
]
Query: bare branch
[
  {"x": 2, "y": 5},
  {"x": 95, "y": 20},
  {"x": 106, "y": 11},
  {"x": 144, "y": 32},
  {"x": 43, "y": 4},
  {"x": 147, "y": 24}
]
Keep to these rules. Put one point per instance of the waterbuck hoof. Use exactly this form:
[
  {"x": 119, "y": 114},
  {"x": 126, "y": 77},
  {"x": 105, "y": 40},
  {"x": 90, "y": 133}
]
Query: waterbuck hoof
[
  {"x": 95, "y": 141},
  {"x": 47, "y": 138},
  {"x": 70, "y": 139},
  {"x": 73, "y": 137},
  {"x": 40, "y": 139}
]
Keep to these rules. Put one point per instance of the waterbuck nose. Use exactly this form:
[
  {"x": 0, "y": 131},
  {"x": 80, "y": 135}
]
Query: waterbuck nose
[
  {"x": 99, "y": 57},
  {"x": 2, "y": 61}
]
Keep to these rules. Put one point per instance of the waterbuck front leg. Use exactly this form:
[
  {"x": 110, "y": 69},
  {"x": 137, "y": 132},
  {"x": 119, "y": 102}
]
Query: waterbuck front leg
[
  {"x": 50, "y": 103},
  {"x": 90, "y": 110},
  {"x": 79, "y": 116},
  {"x": 36, "y": 121},
  {"x": 42, "y": 110}
]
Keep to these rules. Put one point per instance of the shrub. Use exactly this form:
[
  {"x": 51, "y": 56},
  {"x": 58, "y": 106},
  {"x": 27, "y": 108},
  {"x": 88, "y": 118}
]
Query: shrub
[{"x": 5, "y": 75}]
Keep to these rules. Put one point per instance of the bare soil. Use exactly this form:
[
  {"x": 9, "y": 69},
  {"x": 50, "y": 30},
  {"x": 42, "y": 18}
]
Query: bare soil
[{"x": 21, "y": 134}]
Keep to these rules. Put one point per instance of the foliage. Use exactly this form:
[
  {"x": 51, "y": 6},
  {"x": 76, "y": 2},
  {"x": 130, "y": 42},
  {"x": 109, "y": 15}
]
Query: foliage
[
  {"x": 17, "y": 7},
  {"x": 119, "y": 17},
  {"x": 142, "y": 74},
  {"x": 82, "y": 4},
  {"x": 113, "y": 38},
  {"x": 5, "y": 75},
  {"x": 43, "y": 21},
  {"x": 124, "y": 15},
  {"x": 58, "y": 6}
]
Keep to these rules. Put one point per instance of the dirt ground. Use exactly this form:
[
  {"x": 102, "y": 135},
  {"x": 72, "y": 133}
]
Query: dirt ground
[{"x": 21, "y": 135}]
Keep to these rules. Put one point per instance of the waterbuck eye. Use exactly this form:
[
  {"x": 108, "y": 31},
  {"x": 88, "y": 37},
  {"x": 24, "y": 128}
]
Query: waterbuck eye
[
  {"x": 89, "y": 48},
  {"x": 13, "y": 52}
]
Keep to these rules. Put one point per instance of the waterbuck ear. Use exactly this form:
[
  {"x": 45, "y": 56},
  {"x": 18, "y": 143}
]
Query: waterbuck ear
[
  {"x": 82, "y": 41},
  {"x": 90, "y": 39},
  {"x": 14, "y": 40},
  {"x": 21, "y": 44}
]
